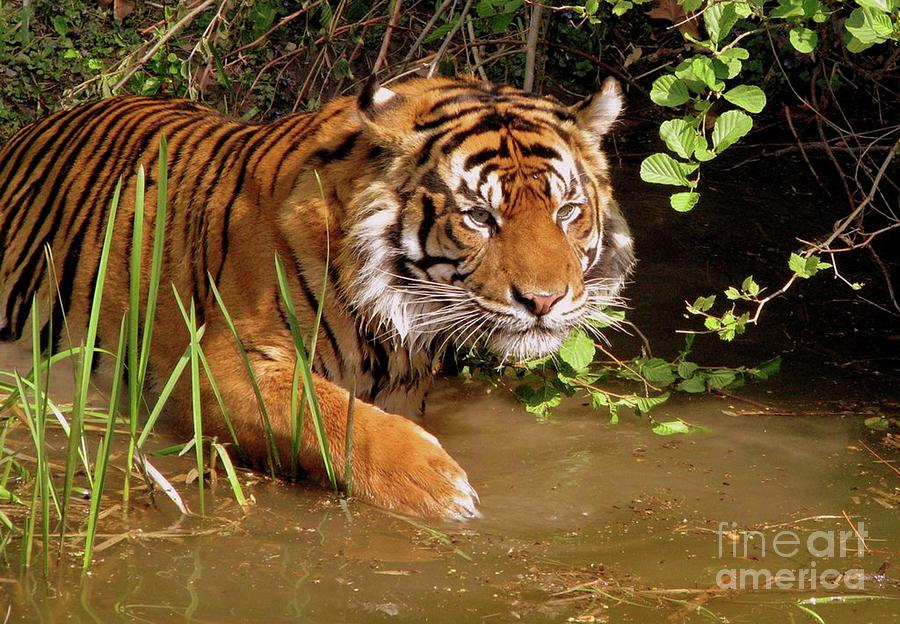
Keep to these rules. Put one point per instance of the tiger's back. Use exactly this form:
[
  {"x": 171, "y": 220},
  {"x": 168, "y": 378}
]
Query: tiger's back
[{"x": 57, "y": 180}]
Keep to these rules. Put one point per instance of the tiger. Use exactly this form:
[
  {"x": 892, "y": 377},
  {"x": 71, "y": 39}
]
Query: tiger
[{"x": 434, "y": 214}]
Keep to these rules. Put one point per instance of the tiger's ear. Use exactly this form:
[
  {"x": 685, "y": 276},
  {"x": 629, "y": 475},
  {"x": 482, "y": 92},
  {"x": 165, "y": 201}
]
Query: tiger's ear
[
  {"x": 597, "y": 113},
  {"x": 383, "y": 114}
]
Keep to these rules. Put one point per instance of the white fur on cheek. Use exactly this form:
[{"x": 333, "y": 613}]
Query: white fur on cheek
[{"x": 622, "y": 240}]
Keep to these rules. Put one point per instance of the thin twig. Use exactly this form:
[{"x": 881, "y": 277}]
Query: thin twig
[
  {"x": 880, "y": 459},
  {"x": 386, "y": 42},
  {"x": 841, "y": 226},
  {"x": 812, "y": 170},
  {"x": 534, "y": 33},
  {"x": 858, "y": 536},
  {"x": 446, "y": 43},
  {"x": 176, "y": 28},
  {"x": 425, "y": 31},
  {"x": 284, "y": 20}
]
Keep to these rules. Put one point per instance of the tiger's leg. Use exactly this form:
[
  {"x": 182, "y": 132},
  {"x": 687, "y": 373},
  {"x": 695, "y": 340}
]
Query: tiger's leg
[{"x": 396, "y": 464}]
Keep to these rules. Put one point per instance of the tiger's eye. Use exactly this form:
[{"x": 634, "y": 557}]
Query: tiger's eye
[
  {"x": 566, "y": 212},
  {"x": 480, "y": 216}
]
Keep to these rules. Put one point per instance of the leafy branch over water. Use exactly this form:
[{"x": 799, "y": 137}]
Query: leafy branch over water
[{"x": 579, "y": 371}]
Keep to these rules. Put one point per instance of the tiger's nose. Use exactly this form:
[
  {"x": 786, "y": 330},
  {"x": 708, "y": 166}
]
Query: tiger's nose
[{"x": 538, "y": 304}]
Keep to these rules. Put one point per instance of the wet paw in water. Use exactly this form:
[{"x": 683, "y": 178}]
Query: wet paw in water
[{"x": 401, "y": 467}]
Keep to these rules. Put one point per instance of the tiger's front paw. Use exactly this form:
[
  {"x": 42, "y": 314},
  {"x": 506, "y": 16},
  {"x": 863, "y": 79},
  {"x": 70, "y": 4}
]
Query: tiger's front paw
[{"x": 399, "y": 466}]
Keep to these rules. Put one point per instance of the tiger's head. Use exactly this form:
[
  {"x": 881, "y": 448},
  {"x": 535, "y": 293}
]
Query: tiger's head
[{"x": 494, "y": 221}]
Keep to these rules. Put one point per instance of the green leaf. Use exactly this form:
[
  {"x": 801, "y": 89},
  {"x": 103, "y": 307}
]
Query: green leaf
[
  {"x": 663, "y": 169},
  {"x": 877, "y": 423},
  {"x": 686, "y": 370},
  {"x": 767, "y": 369},
  {"x": 730, "y": 127},
  {"x": 599, "y": 399},
  {"x": 881, "y": 5},
  {"x": 704, "y": 304},
  {"x": 694, "y": 385},
  {"x": 732, "y": 294},
  {"x": 539, "y": 400},
  {"x": 702, "y": 68},
  {"x": 788, "y": 8},
  {"x": 719, "y": 18},
  {"x": 748, "y": 97},
  {"x": 750, "y": 286},
  {"x": 671, "y": 427},
  {"x": 441, "y": 31},
  {"x": 60, "y": 25},
  {"x": 680, "y": 137},
  {"x": 591, "y": 6},
  {"x": 684, "y": 202},
  {"x": 621, "y": 7},
  {"x": 718, "y": 379},
  {"x": 704, "y": 154},
  {"x": 684, "y": 71},
  {"x": 855, "y": 45},
  {"x": 732, "y": 58},
  {"x": 803, "y": 39},
  {"x": 806, "y": 267},
  {"x": 797, "y": 264},
  {"x": 658, "y": 372},
  {"x": 869, "y": 25},
  {"x": 669, "y": 91},
  {"x": 743, "y": 10},
  {"x": 690, "y": 6},
  {"x": 642, "y": 405},
  {"x": 577, "y": 351}
]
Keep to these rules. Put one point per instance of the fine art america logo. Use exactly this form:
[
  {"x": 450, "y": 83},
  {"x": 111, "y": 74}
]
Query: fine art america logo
[{"x": 752, "y": 547}]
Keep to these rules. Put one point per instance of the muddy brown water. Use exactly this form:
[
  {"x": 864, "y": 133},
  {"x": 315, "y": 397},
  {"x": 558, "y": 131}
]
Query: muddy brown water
[{"x": 582, "y": 520}]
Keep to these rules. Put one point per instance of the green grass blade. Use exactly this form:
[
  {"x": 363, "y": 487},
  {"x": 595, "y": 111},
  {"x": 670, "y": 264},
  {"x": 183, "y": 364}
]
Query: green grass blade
[
  {"x": 84, "y": 374},
  {"x": 303, "y": 358},
  {"x": 273, "y": 458},
  {"x": 196, "y": 414},
  {"x": 40, "y": 416},
  {"x": 221, "y": 402},
  {"x": 811, "y": 613},
  {"x": 348, "y": 442},
  {"x": 162, "y": 186},
  {"x": 296, "y": 418},
  {"x": 165, "y": 393},
  {"x": 134, "y": 319},
  {"x": 232, "y": 475},
  {"x": 318, "y": 320},
  {"x": 102, "y": 461},
  {"x": 36, "y": 436}
]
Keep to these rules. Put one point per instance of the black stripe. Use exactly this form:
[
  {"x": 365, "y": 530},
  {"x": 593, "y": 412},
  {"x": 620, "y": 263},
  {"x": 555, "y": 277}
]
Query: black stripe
[
  {"x": 489, "y": 123},
  {"x": 538, "y": 150},
  {"x": 233, "y": 146},
  {"x": 313, "y": 304},
  {"x": 103, "y": 202},
  {"x": 226, "y": 213},
  {"x": 37, "y": 182},
  {"x": 479, "y": 158},
  {"x": 429, "y": 261},
  {"x": 428, "y": 217},
  {"x": 272, "y": 134},
  {"x": 485, "y": 172},
  {"x": 308, "y": 130},
  {"x": 54, "y": 211},
  {"x": 324, "y": 156}
]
